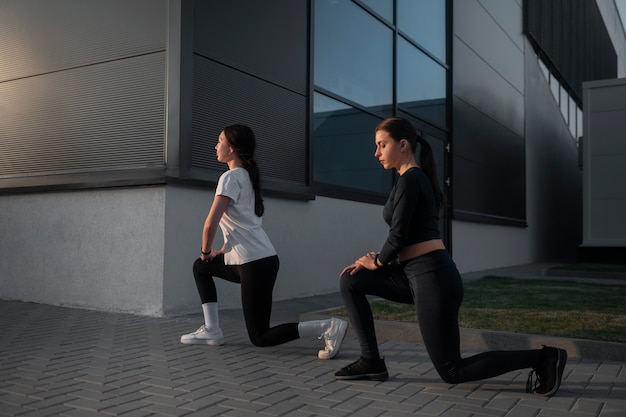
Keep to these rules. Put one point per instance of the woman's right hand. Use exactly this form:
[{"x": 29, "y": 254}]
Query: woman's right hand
[
  {"x": 367, "y": 261},
  {"x": 208, "y": 257},
  {"x": 352, "y": 269}
]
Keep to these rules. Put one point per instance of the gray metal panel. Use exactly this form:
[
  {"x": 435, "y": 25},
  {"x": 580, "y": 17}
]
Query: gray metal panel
[
  {"x": 40, "y": 36},
  {"x": 99, "y": 117},
  {"x": 607, "y": 131},
  {"x": 477, "y": 28},
  {"x": 608, "y": 178},
  {"x": 223, "y": 96},
  {"x": 479, "y": 84},
  {"x": 508, "y": 14},
  {"x": 604, "y": 166},
  {"x": 554, "y": 181},
  {"x": 607, "y": 223},
  {"x": 489, "y": 166},
  {"x": 488, "y": 112},
  {"x": 607, "y": 97},
  {"x": 266, "y": 38}
]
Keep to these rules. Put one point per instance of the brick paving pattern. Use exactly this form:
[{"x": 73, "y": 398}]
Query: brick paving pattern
[{"x": 57, "y": 361}]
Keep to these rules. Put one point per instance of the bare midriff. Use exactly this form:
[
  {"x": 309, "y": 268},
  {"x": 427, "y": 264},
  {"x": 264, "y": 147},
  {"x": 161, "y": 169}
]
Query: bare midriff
[{"x": 419, "y": 249}]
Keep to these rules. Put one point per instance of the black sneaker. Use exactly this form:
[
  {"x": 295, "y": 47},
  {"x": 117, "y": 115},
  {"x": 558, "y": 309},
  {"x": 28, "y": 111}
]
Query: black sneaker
[
  {"x": 370, "y": 369},
  {"x": 548, "y": 373}
]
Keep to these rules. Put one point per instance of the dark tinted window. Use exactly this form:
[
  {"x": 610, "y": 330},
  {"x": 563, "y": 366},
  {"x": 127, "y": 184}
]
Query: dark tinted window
[
  {"x": 424, "y": 22},
  {"x": 344, "y": 147},
  {"x": 353, "y": 54},
  {"x": 421, "y": 86}
]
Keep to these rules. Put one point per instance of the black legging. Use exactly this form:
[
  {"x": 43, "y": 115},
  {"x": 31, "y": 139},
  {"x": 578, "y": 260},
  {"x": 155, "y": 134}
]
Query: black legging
[
  {"x": 257, "y": 280},
  {"x": 433, "y": 284}
]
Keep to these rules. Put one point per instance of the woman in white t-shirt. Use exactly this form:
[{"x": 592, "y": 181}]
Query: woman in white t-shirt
[{"x": 247, "y": 256}]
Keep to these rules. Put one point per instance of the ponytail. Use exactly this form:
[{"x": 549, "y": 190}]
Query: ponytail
[
  {"x": 241, "y": 138},
  {"x": 255, "y": 176},
  {"x": 427, "y": 162}
]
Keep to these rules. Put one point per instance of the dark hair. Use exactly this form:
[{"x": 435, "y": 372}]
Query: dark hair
[
  {"x": 241, "y": 138},
  {"x": 400, "y": 128}
]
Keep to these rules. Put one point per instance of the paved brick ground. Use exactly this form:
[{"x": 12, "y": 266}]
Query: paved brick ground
[{"x": 57, "y": 361}]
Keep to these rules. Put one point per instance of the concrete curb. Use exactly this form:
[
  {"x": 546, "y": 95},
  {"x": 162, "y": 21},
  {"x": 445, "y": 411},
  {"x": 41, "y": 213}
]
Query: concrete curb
[
  {"x": 476, "y": 339},
  {"x": 562, "y": 272}
]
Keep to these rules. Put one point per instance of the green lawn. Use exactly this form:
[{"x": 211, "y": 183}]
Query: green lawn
[{"x": 546, "y": 307}]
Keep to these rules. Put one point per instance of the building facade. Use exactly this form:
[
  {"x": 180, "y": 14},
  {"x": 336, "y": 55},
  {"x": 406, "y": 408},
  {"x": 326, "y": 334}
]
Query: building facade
[{"x": 109, "y": 112}]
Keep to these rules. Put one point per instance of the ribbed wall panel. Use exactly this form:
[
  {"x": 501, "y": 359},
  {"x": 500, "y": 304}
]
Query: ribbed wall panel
[
  {"x": 99, "y": 117},
  {"x": 267, "y": 38},
  {"x": 223, "y": 96},
  {"x": 40, "y": 36},
  {"x": 572, "y": 35}
]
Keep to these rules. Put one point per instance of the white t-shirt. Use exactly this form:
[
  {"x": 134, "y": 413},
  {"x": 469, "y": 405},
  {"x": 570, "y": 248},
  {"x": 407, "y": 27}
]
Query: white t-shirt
[{"x": 244, "y": 238}]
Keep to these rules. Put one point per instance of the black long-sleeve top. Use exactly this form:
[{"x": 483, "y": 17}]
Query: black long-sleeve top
[{"x": 411, "y": 213}]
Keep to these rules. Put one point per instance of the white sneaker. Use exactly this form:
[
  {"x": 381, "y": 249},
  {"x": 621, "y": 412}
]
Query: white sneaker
[
  {"x": 334, "y": 338},
  {"x": 203, "y": 337}
]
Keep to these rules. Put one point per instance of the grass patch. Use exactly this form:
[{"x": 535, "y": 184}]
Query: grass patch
[{"x": 551, "y": 308}]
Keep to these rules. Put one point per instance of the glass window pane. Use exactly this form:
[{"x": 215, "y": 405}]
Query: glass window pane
[
  {"x": 343, "y": 147},
  {"x": 544, "y": 69},
  {"x": 572, "y": 116},
  {"x": 564, "y": 100},
  {"x": 424, "y": 21},
  {"x": 353, "y": 54},
  {"x": 382, "y": 7},
  {"x": 421, "y": 84},
  {"x": 579, "y": 121},
  {"x": 554, "y": 87}
]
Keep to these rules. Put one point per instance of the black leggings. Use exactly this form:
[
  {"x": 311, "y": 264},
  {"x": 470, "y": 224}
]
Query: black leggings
[
  {"x": 257, "y": 280},
  {"x": 433, "y": 284}
]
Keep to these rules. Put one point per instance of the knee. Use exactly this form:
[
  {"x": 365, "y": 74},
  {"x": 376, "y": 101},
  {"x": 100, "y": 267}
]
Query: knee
[
  {"x": 258, "y": 340},
  {"x": 346, "y": 283},
  {"x": 197, "y": 266},
  {"x": 450, "y": 379},
  {"x": 450, "y": 373}
]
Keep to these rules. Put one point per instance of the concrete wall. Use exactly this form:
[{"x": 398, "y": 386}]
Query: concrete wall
[
  {"x": 131, "y": 250},
  {"x": 100, "y": 249}
]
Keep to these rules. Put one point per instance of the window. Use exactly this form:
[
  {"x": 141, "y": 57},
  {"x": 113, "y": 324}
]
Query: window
[
  {"x": 353, "y": 54},
  {"x": 424, "y": 22},
  {"x": 421, "y": 86},
  {"x": 382, "y": 7},
  {"x": 571, "y": 112},
  {"x": 368, "y": 65},
  {"x": 343, "y": 150},
  {"x": 572, "y": 116},
  {"x": 564, "y": 102}
]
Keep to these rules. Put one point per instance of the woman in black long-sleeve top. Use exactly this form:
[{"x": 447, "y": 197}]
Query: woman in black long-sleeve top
[{"x": 414, "y": 267}]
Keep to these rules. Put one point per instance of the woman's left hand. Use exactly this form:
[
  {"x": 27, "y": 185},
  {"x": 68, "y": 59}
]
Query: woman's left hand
[{"x": 367, "y": 261}]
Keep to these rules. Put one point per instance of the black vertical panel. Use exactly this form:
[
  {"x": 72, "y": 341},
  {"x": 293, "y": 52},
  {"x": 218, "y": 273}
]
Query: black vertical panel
[
  {"x": 266, "y": 38},
  {"x": 572, "y": 38},
  {"x": 223, "y": 96},
  {"x": 489, "y": 169},
  {"x": 251, "y": 66}
]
